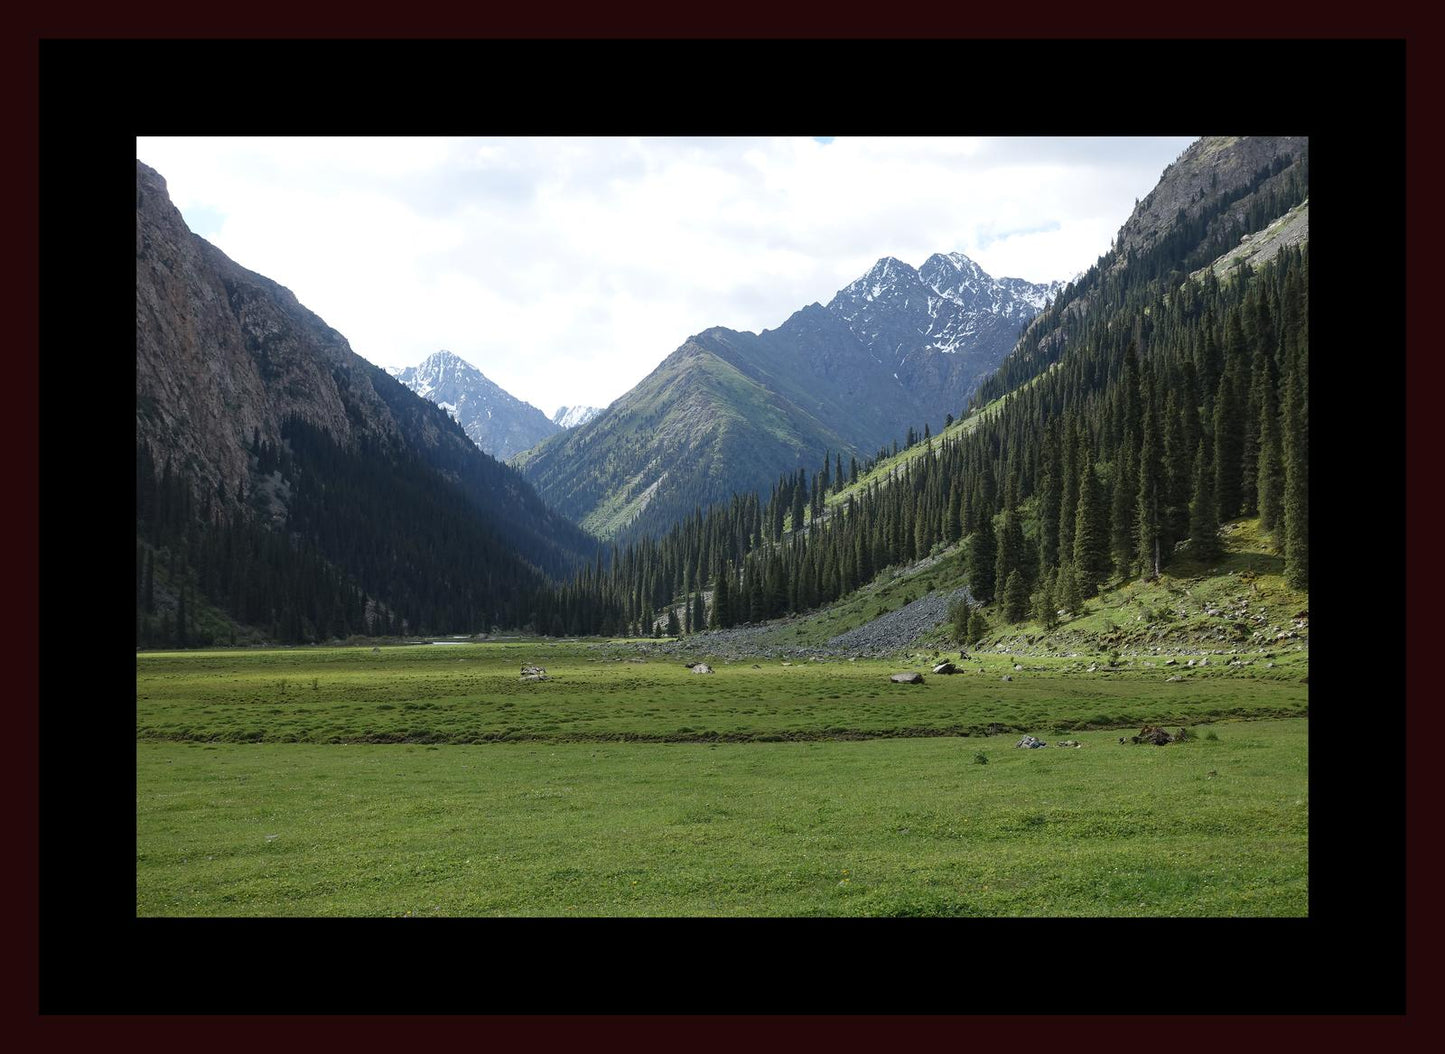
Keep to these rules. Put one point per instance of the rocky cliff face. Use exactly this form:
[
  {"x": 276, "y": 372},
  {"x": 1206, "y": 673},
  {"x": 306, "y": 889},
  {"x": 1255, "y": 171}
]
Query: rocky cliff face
[
  {"x": 224, "y": 356},
  {"x": 1211, "y": 166}
]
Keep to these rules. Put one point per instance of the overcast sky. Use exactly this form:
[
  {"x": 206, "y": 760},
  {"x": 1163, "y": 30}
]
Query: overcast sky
[{"x": 567, "y": 269}]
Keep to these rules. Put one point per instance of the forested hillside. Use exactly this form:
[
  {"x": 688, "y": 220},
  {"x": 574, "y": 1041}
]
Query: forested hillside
[
  {"x": 1134, "y": 418},
  {"x": 288, "y": 490}
]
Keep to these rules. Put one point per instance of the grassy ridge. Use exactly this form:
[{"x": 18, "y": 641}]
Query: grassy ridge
[
  {"x": 472, "y": 693},
  {"x": 1214, "y": 826}
]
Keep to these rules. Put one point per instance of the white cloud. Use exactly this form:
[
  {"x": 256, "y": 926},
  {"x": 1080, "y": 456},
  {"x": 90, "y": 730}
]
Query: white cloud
[{"x": 567, "y": 269}]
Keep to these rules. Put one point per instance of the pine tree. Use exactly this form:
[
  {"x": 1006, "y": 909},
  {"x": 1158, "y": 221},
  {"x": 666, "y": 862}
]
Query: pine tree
[
  {"x": 1228, "y": 444},
  {"x": 1260, "y": 379},
  {"x": 1044, "y": 605},
  {"x": 983, "y": 561},
  {"x": 1091, "y": 542},
  {"x": 1050, "y": 495},
  {"x": 953, "y": 516},
  {"x": 1271, "y": 463},
  {"x": 1015, "y": 598},
  {"x": 977, "y": 625},
  {"x": 1066, "y": 589},
  {"x": 1121, "y": 508},
  {"x": 1296, "y": 473},
  {"x": 1009, "y": 554},
  {"x": 1203, "y": 519},
  {"x": 721, "y": 617}
]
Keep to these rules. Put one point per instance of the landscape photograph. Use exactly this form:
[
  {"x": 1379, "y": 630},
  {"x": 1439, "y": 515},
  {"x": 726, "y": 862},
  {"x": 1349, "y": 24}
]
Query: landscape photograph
[{"x": 659, "y": 527}]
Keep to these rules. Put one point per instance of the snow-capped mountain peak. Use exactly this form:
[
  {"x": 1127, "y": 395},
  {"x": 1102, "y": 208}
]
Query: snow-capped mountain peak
[
  {"x": 572, "y": 416},
  {"x": 494, "y": 419},
  {"x": 944, "y": 326}
]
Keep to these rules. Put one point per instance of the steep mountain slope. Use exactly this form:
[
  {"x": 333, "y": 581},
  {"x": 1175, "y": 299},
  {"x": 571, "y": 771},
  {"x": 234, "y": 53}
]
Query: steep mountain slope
[
  {"x": 253, "y": 418},
  {"x": 1220, "y": 191},
  {"x": 729, "y": 411},
  {"x": 497, "y": 421},
  {"x": 726, "y": 412}
]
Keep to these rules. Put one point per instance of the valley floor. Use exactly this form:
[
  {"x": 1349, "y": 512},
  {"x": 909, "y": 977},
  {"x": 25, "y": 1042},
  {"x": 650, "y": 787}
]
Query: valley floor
[{"x": 432, "y": 780}]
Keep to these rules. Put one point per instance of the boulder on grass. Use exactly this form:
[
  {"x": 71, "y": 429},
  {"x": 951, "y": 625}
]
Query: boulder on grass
[
  {"x": 911, "y": 677},
  {"x": 1030, "y": 743},
  {"x": 1157, "y": 736},
  {"x": 945, "y": 667},
  {"x": 701, "y": 667}
]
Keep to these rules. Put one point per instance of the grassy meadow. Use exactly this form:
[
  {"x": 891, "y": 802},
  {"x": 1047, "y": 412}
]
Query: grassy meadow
[{"x": 430, "y": 780}]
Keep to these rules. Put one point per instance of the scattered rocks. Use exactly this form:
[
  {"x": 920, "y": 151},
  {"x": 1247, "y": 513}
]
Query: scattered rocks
[
  {"x": 1158, "y": 736},
  {"x": 533, "y": 673},
  {"x": 911, "y": 677},
  {"x": 898, "y": 629},
  {"x": 1030, "y": 743}
]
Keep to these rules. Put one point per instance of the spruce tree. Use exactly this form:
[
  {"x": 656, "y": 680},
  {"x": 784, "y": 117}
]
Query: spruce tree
[
  {"x": 1015, "y": 598},
  {"x": 1296, "y": 473},
  {"x": 983, "y": 561},
  {"x": 1228, "y": 445},
  {"x": 1178, "y": 472},
  {"x": 1203, "y": 517},
  {"x": 953, "y": 516},
  {"x": 1069, "y": 487},
  {"x": 977, "y": 625},
  {"x": 1050, "y": 494},
  {"x": 1259, "y": 380},
  {"x": 1271, "y": 463},
  {"x": 1009, "y": 554},
  {"x": 1121, "y": 508},
  {"x": 721, "y": 617},
  {"x": 1091, "y": 542},
  {"x": 1066, "y": 589},
  {"x": 1045, "y": 607}
]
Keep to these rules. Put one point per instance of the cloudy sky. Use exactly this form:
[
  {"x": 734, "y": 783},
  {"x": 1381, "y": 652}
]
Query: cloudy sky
[{"x": 567, "y": 269}]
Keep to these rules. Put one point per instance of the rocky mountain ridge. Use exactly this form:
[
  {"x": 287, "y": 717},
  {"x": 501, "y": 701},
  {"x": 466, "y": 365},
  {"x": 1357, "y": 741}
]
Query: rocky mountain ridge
[
  {"x": 495, "y": 420},
  {"x": 731, "y": 411}
]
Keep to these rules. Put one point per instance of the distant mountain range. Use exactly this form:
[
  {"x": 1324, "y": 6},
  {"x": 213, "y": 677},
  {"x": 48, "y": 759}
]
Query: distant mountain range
[
  {"x": 494, "y": 419},
  {"x": 731, "y": 411}
]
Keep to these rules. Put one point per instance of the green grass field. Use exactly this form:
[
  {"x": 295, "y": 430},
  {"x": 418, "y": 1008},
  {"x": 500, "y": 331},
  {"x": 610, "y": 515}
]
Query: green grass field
[{"x": 429, "y": 780}]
